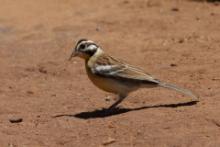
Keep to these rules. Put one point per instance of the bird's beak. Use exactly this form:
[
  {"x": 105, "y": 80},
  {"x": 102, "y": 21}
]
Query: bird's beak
[{"x": 74, "y": 54}]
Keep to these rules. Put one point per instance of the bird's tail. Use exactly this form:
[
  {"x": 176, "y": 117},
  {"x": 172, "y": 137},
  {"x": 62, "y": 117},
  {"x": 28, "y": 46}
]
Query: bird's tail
[{"x": 179, "y": 89}]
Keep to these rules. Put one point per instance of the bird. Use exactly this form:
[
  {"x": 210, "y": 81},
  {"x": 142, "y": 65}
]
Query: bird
[{"x": 116, "y": 76}]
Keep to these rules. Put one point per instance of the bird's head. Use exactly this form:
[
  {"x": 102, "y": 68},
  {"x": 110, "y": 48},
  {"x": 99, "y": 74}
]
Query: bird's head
[{"x": 84, "y": 49}]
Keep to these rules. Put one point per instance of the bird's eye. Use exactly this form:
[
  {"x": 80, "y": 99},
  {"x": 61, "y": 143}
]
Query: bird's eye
[{"x": 82, "y": 46}]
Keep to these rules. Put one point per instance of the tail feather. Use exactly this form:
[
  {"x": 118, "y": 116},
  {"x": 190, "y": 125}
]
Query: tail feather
[{"x": 179, "y": 89}]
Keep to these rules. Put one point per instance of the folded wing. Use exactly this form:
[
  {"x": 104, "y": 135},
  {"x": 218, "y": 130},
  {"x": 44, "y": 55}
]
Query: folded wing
[{"x": 119, "y": 70}]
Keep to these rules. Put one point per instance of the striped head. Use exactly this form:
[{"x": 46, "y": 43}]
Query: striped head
[{"x": 84, "y": 49}]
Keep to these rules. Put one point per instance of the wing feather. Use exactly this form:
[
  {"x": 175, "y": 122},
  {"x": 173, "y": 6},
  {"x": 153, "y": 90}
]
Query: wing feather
[{"x": 108, "y": 66}]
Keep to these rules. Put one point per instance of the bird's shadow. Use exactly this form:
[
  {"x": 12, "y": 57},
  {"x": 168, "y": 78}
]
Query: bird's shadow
[{"x": 106, "y": 112}]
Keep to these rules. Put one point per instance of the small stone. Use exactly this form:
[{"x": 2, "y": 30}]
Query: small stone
[
  {"x": 42, "y": 70},
  {"x": 111, "y": 126},
  {"x": 216, "y": 122},
  {"x": 107, "y": 99},
  {"x": 215, "y": 79},
  {"x": 125, "y": 2},
  {"x": 173, "y": 64},
  {"x": 175, "y": 9},
  {"x": 181, "y": 40},
  {"x": 97, "y": 29},
  {"x": 30, "y": 92},
  {"x": 212, "y": 14},
  {"x": 16, "y": 120},
  {"x": 167, "y": 128},
  {"x": 109, "y": 141},
  {"x": 197, "y": 18}
]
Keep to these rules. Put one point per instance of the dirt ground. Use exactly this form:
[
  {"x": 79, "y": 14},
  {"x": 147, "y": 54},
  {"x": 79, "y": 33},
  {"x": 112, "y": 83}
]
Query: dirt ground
[{"x": 177, "y": 41}]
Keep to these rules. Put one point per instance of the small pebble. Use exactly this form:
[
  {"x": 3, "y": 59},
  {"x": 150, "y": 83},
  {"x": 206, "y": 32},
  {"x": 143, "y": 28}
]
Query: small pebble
[
  {"x": 125, "y": 2},
  {"x": 42, "y": 70},
  {"x": 212, "y": 14},
  {"x": 53, "y": 95},
  {"x": 107, "y": 99},
  {"x": 30, "y": 92},
  {"x": 97, "y": 29},
  {"x": 16, "y": 119},
  {"x": 215, "y": 79},
  {"x": 180, "y": 40},
  {"x": 172, "y": 64},
  {"x": 197, "y": 18},
  {"x": 175, "y": 9},
  {"x": 109, "y": 141}
]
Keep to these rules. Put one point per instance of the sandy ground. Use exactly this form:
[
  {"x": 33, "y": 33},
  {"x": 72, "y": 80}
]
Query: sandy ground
[{"x": 177, "y": 41}]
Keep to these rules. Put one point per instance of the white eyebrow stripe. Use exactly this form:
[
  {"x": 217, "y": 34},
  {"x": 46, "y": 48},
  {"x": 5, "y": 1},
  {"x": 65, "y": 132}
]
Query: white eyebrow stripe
[{"x": 91, "y": 47}]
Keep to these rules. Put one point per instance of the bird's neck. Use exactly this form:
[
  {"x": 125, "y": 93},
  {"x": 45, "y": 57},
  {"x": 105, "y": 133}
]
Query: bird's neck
[{"x": 91, "y": 61}]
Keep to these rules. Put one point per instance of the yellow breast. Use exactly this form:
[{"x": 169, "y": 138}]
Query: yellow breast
[{"x": 108, "y": 84}]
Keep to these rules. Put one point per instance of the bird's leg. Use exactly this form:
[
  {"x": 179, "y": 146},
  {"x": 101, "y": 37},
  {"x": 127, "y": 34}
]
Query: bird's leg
[{"x": 120, "y": 99}]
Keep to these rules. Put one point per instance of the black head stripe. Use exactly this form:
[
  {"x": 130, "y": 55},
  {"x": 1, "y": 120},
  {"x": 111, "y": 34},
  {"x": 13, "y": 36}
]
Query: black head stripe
[
  {"x": 87, "y": 47},
  {"x": 81, "y": 40},
  {"x": 91, "y": 51}
]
